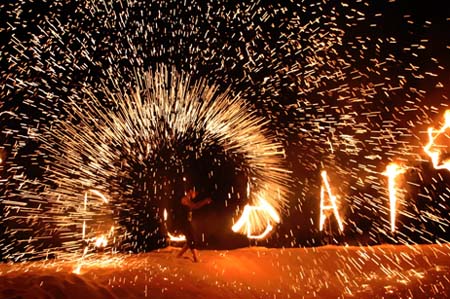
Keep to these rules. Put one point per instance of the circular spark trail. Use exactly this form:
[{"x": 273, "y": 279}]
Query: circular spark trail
[{"x": 164, "y": 109}]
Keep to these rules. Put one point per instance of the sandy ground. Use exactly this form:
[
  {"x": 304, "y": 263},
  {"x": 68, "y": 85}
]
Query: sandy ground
[{"x": 326, "y": 272}]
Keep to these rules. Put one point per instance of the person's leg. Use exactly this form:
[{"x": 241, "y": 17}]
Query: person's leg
[
  {"x": 194, "y": 255},
  {"x": 190, "y": 242},
  {"x": 192, "y": 247},
  {"x": 183, "y": 250}
]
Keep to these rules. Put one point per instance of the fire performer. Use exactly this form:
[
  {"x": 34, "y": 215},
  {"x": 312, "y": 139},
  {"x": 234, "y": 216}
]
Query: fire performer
[{"x": 188, "y": 205}]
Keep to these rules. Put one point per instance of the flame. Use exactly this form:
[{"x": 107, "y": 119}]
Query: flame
[
  {"x": 77, "y": 270},
  {"x": 253, "y": 214},
  {"x": 433, "y": 135},
  {"x": 173, "y": 238},
  {"x": 165, "y": 215},
  {"x": 332, "y": 199},
  {"x": 179, "y": 238},
  {"x": 101, "y": 241},
  {"x": 392, "y": 171}
]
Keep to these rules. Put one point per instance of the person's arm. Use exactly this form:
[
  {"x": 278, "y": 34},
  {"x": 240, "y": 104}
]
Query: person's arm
[
  {"x": 198, "y": 205},
  {"x": 186, "y": 201}
]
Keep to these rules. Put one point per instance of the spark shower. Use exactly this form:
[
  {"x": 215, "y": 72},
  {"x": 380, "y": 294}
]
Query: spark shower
[{"x": 343, "y": 87}]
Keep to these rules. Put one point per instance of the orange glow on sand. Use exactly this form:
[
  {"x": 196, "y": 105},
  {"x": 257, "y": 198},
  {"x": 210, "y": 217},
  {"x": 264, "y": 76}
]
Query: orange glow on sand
[
  {"x": 433, "y": 135},
  {"x": 332, "y": 199},
  {"x": 392, "y": 171}
]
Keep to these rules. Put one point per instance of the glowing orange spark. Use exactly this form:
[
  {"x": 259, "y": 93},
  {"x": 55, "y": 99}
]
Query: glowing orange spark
[
  {"x": 332, "y": 206},
  {"x": 252, "y": 214},
  {"x": 433, "y": 135},
  {"x": 392, "y": 171}
]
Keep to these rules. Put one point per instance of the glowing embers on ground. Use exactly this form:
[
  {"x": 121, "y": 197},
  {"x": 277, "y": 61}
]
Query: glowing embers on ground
[
  {"x": 327, "y": 195},
  {"x": 392, "y": 171},
  {"x": 173, "y": 238},
  {"x": 433, "y": 135},
  {"x": 252, "y": 215}
]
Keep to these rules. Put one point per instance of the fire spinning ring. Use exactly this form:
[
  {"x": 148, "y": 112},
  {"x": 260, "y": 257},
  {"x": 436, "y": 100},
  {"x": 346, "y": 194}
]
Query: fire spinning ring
[{"x": 163, "y": 108}]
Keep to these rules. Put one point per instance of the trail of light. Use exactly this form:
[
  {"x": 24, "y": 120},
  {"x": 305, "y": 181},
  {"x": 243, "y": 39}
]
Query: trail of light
[
  {"x": 153, "y": 116},
  {"x": 263, "y": 234},
  {"x": 254, "y": 213},
  {"x": 269, "y": 209},
  {"x": 178, "y": 238},
  {"x": 96, "y": 192},
  {"x": 77, "y": 270},
  {"x": 392, "y": 171},
  {"x": 100, "y": 241},
  {"x": 432, "y": 136},
  {"x": 331, "y": 206}
]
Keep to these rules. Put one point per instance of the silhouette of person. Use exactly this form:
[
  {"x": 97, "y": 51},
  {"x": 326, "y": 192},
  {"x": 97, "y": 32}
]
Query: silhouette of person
[{"x": 188, "y": 205}]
